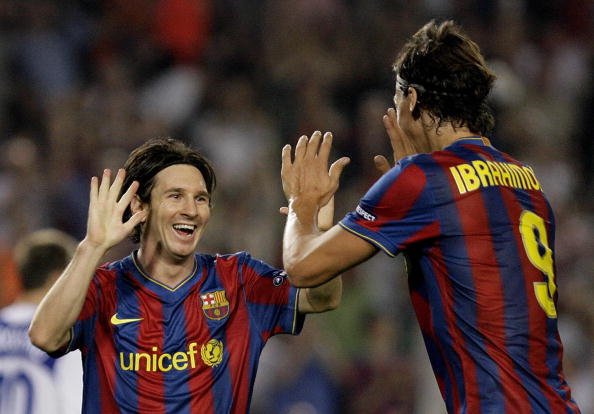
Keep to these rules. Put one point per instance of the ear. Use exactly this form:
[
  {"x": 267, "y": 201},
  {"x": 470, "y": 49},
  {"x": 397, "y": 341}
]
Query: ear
[
  {"x": 412, "y": 98},
  {"x": 137, "y": 205}
]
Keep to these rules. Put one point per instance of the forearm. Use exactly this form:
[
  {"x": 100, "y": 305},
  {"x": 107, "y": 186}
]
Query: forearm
[
  {"x": 62, "y": 305},
  {"x": 300, "y": 239},
  {"x": 322, "y": 298}
]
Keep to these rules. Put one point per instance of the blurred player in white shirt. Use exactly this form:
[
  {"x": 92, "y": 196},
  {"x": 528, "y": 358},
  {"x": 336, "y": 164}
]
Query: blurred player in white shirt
[{"x": 31, "y": 382}]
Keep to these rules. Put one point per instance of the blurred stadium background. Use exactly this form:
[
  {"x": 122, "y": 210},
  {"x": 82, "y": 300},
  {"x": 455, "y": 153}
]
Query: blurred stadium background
[{"x": 82, "y": 82}]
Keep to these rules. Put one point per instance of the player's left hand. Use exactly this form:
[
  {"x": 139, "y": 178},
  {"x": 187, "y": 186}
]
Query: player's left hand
[
  {"x": 307, "y": 178},
  {"x": 381, "y": 164}
]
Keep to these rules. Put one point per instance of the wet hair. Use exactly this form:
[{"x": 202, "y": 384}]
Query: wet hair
[
  {"x": 146, "y": 161},
  {"x": 450, "y": 76},
  {"x": 40, "y": 254}
]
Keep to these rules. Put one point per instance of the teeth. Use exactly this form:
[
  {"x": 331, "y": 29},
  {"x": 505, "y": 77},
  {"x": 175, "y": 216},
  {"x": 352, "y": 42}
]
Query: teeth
[{"x": 184, "y": 227}]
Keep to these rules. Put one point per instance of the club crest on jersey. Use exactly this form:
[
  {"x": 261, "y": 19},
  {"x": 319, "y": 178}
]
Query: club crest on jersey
[{"x": 215, "y": 304}]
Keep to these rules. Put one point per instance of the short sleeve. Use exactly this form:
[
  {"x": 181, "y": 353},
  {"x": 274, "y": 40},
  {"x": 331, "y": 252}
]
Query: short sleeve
[
  {"x": 271, "y": 299},
  {"x": 397, "y": 211}
]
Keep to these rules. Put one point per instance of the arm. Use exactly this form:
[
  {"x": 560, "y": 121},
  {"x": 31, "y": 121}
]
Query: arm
[
  {"x": 311, "y": 257},
  {"x": 328, "y": 295},
  {"x": 61, "y": 306}
]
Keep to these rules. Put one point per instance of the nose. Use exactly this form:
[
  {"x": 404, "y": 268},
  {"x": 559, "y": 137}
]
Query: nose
[{"x": 190, "y": 208}]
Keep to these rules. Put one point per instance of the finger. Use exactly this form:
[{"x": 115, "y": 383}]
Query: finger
[
  {"x": 127, "y": 196},
  {"x": 300, "y": 148},
  {"x": 284, "y": 211},
  {"x": 135, "y": 220},
  {"x": 391, "y": 123},
  {"x": 313, "y": 145},
  {"x": 104, "y": 186},
  {"x": 116, "y": 186},
  {"x": 337, "y": 167},
  {"x": 325, "y": 147},
  {"x": 93, "y": 191},
  {"x": 286, "y": 156},
  {"x": 381, "y": 164}
]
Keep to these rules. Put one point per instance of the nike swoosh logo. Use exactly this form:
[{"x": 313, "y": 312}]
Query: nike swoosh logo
[{"x": 117, "y": 321}]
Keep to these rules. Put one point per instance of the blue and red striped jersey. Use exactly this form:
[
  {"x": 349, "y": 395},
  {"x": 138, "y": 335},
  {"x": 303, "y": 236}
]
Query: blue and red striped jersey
[
  {"x": 478, "y": 235},
  {"x": 193, "y": 348}
]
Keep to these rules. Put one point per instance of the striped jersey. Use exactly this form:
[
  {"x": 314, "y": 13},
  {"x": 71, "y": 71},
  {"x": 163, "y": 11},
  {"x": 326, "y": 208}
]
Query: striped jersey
[
  {"x": 150, "y": 348},
  {"x": 478, "y": 236}
]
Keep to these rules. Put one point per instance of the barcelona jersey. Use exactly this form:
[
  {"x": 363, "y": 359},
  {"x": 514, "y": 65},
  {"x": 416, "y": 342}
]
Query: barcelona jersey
[
  {"x": 478, "y": 235},
  {"x": 194, "y": 348}
]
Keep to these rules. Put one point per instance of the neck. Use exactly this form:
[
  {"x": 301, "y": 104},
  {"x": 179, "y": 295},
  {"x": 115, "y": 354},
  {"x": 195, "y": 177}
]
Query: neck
[
  {"x": 446, "y": 135},
  {"x": 169, "y": 271}
]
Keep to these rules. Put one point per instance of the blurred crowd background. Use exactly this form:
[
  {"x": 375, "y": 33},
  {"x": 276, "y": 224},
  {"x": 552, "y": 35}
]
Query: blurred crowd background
[{"x": 82, "y": 82}]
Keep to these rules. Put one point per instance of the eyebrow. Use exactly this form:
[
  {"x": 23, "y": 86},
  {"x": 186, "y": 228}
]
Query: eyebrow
[{"x": 183, "y": 190}]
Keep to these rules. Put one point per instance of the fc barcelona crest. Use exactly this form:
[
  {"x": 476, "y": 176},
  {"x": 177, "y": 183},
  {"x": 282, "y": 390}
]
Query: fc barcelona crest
[{"x": 215, "y": 305}]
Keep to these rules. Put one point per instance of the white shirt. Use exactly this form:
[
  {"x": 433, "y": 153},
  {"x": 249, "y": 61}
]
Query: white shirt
[{"x": 32, "y": 382}]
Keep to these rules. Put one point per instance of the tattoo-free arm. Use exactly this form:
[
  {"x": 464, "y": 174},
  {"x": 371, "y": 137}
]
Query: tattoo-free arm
[{"x": 60, "y": 307}]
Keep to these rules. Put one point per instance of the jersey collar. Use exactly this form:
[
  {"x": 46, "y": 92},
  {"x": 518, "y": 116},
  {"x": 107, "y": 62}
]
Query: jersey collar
[{"x": 473, "y": 140}]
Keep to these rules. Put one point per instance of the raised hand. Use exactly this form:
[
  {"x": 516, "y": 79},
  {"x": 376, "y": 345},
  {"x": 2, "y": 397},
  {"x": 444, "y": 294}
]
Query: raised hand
[
  {"x": 105, "y": 226},
  {"x": 325, "y": 215},
  {"x": 307, "y": 177},
  {"x": 381, "y": 164},
  {"x": 402, "y": 144}
]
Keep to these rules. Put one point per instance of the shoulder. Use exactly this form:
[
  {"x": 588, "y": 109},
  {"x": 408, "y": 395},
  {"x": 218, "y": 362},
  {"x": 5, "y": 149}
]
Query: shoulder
[
  {"x": 108, "y": 272},
  {"x": 407, "y": 177},
  {"x": 237, "y": 261}
]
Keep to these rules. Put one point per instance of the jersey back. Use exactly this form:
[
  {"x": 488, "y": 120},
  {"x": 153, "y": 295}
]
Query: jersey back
[{"x": 478, "y": 236}]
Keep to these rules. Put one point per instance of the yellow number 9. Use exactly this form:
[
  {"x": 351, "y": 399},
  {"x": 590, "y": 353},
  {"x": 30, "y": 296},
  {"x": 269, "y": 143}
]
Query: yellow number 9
[{"x": 534, "y": 237}]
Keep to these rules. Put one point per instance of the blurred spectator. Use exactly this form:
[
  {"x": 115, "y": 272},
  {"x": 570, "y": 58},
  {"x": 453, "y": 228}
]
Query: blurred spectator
[{"x": 31, "y": 382}]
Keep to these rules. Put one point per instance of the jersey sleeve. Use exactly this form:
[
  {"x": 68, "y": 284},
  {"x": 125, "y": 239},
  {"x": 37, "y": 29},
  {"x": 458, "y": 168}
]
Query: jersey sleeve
[
  {"x": 396, "y": 212},
  {"x": 272, "y": 300}
]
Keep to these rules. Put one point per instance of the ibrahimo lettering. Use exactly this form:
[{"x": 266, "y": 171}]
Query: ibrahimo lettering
[{"x": 472, "y": 176}]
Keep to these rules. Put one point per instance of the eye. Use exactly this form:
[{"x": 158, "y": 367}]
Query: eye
[
  {"x": 175, "y": 196},
  {"x": 202, "y": 199}
]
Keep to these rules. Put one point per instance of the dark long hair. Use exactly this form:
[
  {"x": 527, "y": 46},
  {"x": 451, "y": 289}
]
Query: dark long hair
[
  {"x": 450, "y": 76},
  {"x": 146, "y": 161}
]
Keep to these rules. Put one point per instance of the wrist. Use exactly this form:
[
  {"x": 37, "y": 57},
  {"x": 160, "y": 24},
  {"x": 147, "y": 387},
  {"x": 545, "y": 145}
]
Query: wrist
[
  {"x": 304, "y": 210},
  {"x": 90, "y": 247}
]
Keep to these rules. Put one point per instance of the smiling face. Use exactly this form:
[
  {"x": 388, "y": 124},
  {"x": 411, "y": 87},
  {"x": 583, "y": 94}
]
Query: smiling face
[{"x": 178, "y": 212}]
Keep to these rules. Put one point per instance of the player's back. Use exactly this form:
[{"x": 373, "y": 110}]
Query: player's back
[
  {"x": 30, "y": 381},
  {"x": 483, "y": 283}
]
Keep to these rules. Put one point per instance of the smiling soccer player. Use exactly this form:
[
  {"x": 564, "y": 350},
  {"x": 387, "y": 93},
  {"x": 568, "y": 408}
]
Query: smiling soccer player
[{"x": 167, "y": 330}]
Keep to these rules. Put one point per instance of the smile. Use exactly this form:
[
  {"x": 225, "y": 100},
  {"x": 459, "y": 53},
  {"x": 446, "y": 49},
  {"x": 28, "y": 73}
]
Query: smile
[{"x": 186, "y": 229}]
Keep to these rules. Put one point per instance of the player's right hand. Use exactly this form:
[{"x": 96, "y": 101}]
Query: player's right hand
[
  {"x": 308, "y": 177},
  {"x": 402, "y": 144},
  {"x": 105, "y": 226}
]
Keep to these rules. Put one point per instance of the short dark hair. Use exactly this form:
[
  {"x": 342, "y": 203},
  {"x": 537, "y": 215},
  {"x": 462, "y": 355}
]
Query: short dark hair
[
  {"x": 41, "y": 253},
  {"x": 146, "y": 161},
  {"x": 450, "y": 76}
]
